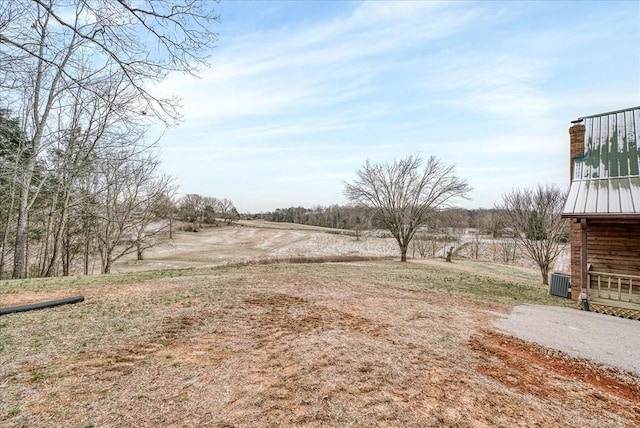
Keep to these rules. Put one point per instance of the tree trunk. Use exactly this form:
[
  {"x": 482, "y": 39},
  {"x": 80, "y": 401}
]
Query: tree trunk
[
  {"x": 3, "y": 246},
  {"x": 544, "y": 271},
  {"x": 86, "y": 255},
  {"x": 51, "y": 268},
  {"x": 403, "y": 252},
  {"x": 139, "y": 251},
  {"x": 44, "y": 247},
  {"x": 66, "y": 252},
  {"x": 106, "y": 267},
  {"x": 20, "y": 248},
  {"x": 5, "y": 233},
  {"x": 449, "y": 254}
]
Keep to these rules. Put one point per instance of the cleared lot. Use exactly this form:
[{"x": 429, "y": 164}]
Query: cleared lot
[{"x": 336, "y": 344}]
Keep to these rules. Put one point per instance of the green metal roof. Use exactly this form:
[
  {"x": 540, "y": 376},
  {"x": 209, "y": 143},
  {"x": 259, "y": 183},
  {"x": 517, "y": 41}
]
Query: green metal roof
[
  {"x": 606, "y": 179},
  {"x": 611, "y": 146}
]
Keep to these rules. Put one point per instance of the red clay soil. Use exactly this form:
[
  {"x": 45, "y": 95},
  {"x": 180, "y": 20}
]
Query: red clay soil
[{"x": 533, "y": 369}]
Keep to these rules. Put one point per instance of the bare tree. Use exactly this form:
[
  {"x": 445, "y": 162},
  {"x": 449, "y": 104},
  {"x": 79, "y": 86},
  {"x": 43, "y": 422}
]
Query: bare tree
[
  {"x": 86, "y": 218},
  {"x": 13, "y": 155},
  {"x": 211, "y": 209},
  {"x": 474, "y": 245},
  {"x": 49, "y": 48},
  {"x": 507, "y": 249},
  {"x": 404, "y": 193},
  {"x": 166, "y": 209},
  {"x": 90, "y": 124},
  {"x": 191, "y": 209},
  {"x": 150, "y": 229},
  {"x": 227, "y": 210},
  {"x": 417, "y": 244},
  {"x": 132, "y": 187},
  {"x": 534, "y": 215},
  {"x": 145, "y": 40},
  {"x": 199, "y": 209}
]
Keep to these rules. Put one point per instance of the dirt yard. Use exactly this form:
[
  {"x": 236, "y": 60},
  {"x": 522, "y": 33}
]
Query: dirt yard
[{"x": 361, "y": 344}]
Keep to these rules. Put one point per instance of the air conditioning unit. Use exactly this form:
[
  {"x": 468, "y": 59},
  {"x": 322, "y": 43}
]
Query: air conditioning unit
[{"x": 560, "y": 285}]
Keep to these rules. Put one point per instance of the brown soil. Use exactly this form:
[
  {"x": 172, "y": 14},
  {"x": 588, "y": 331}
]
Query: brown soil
[
  {"x": 354, "y": 344},
  {"x": 530, "y": 368}
]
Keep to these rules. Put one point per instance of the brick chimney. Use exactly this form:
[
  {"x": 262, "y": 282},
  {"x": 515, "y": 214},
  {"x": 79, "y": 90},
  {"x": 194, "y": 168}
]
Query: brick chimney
[
  {"x": 576, "y": 134},
  {"x": 576, "y": 141}
]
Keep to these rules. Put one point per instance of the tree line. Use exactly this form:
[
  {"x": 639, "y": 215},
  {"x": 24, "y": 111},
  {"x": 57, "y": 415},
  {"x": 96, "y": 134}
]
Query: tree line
[
  {"x": 82, "y": 203},
  {"x": 333, "y": 216},
  {"x": 487, "y": 221},
  {"x": 79, "y": 170}
]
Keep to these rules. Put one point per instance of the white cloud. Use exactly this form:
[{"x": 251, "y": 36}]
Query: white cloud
[
  {"x": 326, "y": 64},
  {"x": 483, "y": 85}
]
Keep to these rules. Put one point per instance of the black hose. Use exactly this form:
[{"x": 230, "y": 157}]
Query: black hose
[{"x": 41, "y": 305}]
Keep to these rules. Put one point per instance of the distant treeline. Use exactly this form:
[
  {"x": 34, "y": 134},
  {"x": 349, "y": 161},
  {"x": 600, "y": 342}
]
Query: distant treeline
[
  {"x": 334, "y": 216},
  {"x": 348, "y": 217}
]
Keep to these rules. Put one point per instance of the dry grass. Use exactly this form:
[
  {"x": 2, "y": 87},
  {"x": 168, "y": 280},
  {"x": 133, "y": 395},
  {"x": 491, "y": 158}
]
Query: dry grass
[{"x": 359, "y": 343}]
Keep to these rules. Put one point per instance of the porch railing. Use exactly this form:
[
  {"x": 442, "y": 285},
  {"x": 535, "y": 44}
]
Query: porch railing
[{"x": 615, "y": 289}]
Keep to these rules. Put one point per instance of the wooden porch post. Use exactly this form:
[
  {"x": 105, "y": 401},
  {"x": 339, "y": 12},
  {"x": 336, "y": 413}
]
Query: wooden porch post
[{"x": 584, "y": 295}]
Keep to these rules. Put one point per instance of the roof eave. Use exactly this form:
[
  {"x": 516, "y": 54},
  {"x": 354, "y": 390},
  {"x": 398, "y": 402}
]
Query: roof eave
[{"x": 604, "y": 216}]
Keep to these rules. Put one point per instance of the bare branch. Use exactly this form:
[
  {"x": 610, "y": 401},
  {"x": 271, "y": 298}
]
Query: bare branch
[
  {"x": 535, "y": 217},
  {"x": 404, "y": 193}
]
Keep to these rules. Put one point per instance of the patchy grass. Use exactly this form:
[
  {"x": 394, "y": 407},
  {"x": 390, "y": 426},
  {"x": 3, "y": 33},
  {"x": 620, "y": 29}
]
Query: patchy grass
[
  {"x": 358, "y": 343},
  {"x": 85, "y": 282},
  {"x": 91, "y": 281}
]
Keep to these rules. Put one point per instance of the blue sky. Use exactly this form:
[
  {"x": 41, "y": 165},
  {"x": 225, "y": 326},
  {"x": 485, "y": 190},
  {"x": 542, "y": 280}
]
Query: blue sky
[{"x": 300, "y": 94}]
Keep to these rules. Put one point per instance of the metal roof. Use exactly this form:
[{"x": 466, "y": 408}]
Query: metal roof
[
  {"x": 606, "y": 179},
  {"x": 604, "y": 196}
]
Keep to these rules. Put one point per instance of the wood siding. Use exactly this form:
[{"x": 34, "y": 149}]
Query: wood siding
[
  {"x": 575, "y": 259},
  {"x": 614, "y": 247}
]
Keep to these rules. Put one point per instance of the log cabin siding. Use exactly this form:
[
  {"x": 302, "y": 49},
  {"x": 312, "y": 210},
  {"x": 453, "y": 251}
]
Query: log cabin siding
[
  {"x": 614, "y": 247},
  {"x": 611, "y": 247},
  {"x": 575, "y": 259}
]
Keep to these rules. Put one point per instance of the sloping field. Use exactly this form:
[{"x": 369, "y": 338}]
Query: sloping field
[
  {"x": 335, "y": 344},
  {"x": 256, "y": 240}
]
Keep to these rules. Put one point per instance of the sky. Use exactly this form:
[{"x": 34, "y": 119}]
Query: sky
[{"x": 299, "y": 94}]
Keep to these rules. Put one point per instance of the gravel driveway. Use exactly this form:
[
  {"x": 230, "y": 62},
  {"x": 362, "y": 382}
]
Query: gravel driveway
[{"x": 605, "y": 339}]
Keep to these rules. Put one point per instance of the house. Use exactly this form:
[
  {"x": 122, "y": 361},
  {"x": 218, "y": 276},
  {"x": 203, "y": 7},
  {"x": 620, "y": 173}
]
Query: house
[{"x": 604, "y": 207}]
